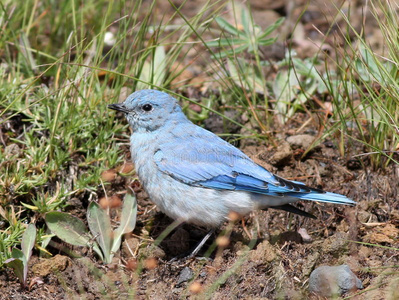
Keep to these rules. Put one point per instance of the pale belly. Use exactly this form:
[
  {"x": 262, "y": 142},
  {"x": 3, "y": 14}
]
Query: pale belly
[
  {"x": 196, "y": 205},
  {"x": 180, "y": 201}
]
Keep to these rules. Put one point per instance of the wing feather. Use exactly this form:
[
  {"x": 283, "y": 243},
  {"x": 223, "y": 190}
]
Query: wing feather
[{"x": 199, "y": 158}]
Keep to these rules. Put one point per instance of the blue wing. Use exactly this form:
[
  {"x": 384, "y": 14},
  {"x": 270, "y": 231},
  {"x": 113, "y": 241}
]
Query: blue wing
[{"x": 199, "y": 158}]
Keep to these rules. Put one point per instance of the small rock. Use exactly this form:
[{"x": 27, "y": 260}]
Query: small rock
[
  {"x": 301, "y": 141},
  {"x": 152, "y": 251},
  {"x": 265, "y": 253},
  {"x": 306, "y": 238},
  {"x": 282, "y": 155},
  {"x": 129, "y": 247},
  {"x": 185, "y": 275},
  {"x": 203, "y": 274},
  {"x": 336, "y": 244},
  {"x": 48, "y": 266},
  {"x": 310, "y": 262},
  {"x": 12, "y": 150},
  {"x": 329, "y": 281},
  {"x": 366, "y": 217}
]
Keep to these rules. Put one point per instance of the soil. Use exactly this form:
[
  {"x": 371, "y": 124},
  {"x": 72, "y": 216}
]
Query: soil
[{"x": 268, "y": 254}]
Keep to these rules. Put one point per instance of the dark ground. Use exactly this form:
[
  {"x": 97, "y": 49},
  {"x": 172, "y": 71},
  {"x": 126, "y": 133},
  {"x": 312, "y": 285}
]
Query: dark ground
[{"x": 279, "y": 263}]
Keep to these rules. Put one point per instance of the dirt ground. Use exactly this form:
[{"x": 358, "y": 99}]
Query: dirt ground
[
  {"x": 276, "y": 265},
  {"x": 265, "y": 255}
]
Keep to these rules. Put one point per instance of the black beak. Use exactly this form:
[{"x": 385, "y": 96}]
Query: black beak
[{"x": 119, "y": 107}]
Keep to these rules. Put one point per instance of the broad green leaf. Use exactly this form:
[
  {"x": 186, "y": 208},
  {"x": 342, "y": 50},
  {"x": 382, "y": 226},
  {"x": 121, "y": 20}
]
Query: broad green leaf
[
  {"x": 159, "y": 69},
  {"x": 28, "y": 241},
  {"x": 100, "y": 226},
  {"x": 153, "y": 72},
  {"x": 18, "y": 254},
  {"x": 18, "y": 266},
  {"x": 128, "y": 220},
  {"x": 68, "y": 228}
]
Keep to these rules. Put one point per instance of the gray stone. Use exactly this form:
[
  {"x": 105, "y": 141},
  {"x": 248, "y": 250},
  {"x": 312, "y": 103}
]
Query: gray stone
[
  {"x": 282, "y": 155},
  {"x": 185, "y": 275},
  {"x": 300, "y": 141},
  {"x": 329, "y": 281}
]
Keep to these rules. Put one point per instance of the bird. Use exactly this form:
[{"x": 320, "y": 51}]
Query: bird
[{"x": 196, "y": 177}]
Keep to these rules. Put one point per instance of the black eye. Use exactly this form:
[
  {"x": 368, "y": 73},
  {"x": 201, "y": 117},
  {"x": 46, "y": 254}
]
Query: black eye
[{"x": 147, "y": 107}]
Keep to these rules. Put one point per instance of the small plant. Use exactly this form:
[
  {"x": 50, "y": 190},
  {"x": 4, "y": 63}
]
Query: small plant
[
  {"x": 20, "y": 258},
  {"x": 241, "y": 61},
  {"x": 102, "y": 238},
  {"x": 249, "y": 39},
  {"x": 296, "y": 81}
]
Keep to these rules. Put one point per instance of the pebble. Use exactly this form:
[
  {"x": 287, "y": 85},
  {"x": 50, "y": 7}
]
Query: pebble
[
  {"x": 185, "y": 275},
  {"x": 327, "y": 281},
  {"x": 300, "y": 141}
]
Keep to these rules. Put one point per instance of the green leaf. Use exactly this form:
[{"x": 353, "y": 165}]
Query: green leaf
[
  {"x": 31, "y": 207},
  {"x": 267, "y": 42},
  {"x": 128, "y": 220},
  {"x": 159, "y": 68},
  {"x": 100, "y": 226},
  {"x": 228, "y": 27},
  {"x": 153, "y": 71},
  {"x": 225, "y": 42},
  {"x": 235, "y": 51},
  {"x": 245, "y": 76},
  {"x": 272, "y": 28},
  {"x": 245, "y": 20},
  {"x": 68, "y": 228},
  {"x": 230, "y": 53},
  {"x": 284, "y": 91},
  {"x": 17, "y": 254},
  {"x": 18, "y": 266},
  {"x": 28, "y": 241},
  {"x": 373, "y": 66},
  {"x": 46, "y": 240}
]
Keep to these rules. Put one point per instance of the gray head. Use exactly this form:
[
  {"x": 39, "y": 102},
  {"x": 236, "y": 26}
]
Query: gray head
[{"x": 147, "y": 110}]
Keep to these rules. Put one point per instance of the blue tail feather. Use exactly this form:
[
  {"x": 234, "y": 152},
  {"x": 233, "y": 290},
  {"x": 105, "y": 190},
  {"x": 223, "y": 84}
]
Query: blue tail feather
[{"x": 326, "y": 197}]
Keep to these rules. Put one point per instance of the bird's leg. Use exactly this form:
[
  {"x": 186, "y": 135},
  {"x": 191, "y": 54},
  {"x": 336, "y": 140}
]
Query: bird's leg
[
  {"x": 196, "y": 249},
  {"x": 201, "y": 244}
]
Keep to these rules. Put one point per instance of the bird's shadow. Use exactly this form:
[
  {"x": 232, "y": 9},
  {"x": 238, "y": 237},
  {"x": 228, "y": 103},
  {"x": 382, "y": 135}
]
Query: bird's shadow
[{"x": 182, "y": 240}]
